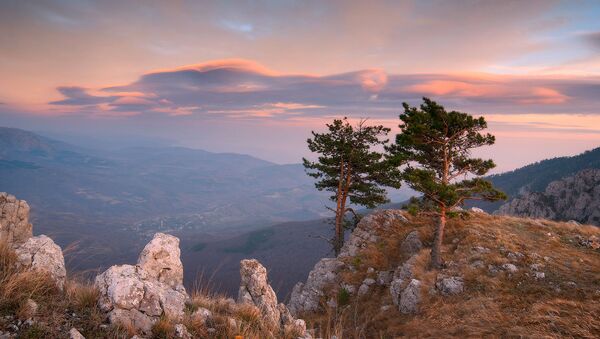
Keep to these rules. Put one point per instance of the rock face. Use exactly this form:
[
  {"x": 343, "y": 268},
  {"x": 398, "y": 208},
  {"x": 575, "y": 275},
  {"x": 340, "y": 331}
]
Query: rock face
[
  {"x": 572, "y": 198},
  {"x": 140, "y": 295},
  {"x": 449, "y": 285},
  {"x": 403, "y": 277},
  {"x": 410, "y": 297},
  {"x": 255, "y": 290},
  {"x": 411, "y": 244},
  {"x": 15, "y": 228},
  {"x": 306, "y": 297},
  {"x": 160, "y": 258},
  {"x": 368, "y": 230},
  {"x": 42, "y": 254}
]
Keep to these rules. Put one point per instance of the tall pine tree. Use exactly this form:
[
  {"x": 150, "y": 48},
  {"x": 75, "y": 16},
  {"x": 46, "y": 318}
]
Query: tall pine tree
[
  {"x": 436, "y": 146},
  {"x": 350, "y": 166}
]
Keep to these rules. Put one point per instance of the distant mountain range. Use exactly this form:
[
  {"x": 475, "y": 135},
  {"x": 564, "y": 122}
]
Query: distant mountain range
[{"x": 223, "y": 206}]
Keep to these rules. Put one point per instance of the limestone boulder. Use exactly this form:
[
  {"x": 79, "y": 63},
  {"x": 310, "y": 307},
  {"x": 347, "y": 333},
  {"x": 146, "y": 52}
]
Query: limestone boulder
[
  {"x": 255, "y": 290},
  {"x": 41, "y": 254},
  {"x": 160, "y": 259},
  {"x": 306, "y": 296},
  {"x": 15, "y": 228},
  {"x": 139, "y": 295}
]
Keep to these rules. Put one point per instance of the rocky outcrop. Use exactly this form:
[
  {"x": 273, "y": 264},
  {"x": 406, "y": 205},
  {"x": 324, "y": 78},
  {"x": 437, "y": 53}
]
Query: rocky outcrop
[
  {"x": 449, "y": 285},
  {"x": 572, "y": 198},
  {"x": 38, "y": 253},
  {"x": 15, "y": 228},
  {"x": 255, "y": 290},
  {"x": 139, "y": 295},
  {"x": 402, "y": 278},
  {"x": 41, "y": 254},
  {"x": 369, "y": 230},
  {"x": 306, "y": 296},
  {"x": 160, "y": 258}
]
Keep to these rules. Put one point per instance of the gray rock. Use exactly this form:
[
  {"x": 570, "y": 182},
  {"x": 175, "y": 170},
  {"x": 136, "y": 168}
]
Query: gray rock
[
  {"x": 201, "y": 315},
  {"x": 43, "y": 255},
  {"x": 510, "y": 268},
  {"x": 449, "y": 285},
  {"x": 182, "y": 332},
  {"x": 255, "y": 290},
  {"x": 384, "y": 278},
  {"x": 368, "y": 229},
  {"x": 402, "y": 276},
  {"x": 305, "y": 296},
  {"x": 160, "y": 258},
  {"x": 135, "y": 297},
  {"x": 411, "y": 244},
  {"x": 539, "y": 275},
  {"x": 477, "y": 210},
  {"x": 15, "y": 228},
  {"x": 410, "y": 297}
]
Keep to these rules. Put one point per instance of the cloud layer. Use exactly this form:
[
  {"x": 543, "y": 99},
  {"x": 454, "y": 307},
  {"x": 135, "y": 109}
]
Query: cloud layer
[{"x": 244, "y": 89}]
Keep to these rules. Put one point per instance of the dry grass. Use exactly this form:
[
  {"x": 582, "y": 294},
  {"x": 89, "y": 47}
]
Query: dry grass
[
  {"x": 58, "y": 311},
  {"x": 566, "y": 303}
]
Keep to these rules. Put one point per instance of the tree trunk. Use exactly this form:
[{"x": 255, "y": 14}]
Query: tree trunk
[
  {"x": 436, "y": 251},
  {"x": 339, "y": 214}
]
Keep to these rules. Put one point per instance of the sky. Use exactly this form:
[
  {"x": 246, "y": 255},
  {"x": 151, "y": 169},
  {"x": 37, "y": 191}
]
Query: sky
[{"x": 256, "y": 77}]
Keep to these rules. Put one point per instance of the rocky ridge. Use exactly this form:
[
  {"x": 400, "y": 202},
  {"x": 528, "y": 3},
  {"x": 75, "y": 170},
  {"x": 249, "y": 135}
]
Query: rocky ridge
[
  {"x": 575, "y": 198},
  {"x": 38, "y": 253}
]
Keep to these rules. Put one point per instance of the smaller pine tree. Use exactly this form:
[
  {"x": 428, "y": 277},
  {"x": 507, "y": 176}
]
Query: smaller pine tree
[{"x": 350, "y": 166}]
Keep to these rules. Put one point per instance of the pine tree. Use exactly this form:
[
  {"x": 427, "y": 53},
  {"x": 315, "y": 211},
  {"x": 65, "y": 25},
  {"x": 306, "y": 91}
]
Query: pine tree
[
  {"x": 436, "y": 146},
  {"x": 349, "y": 167}
]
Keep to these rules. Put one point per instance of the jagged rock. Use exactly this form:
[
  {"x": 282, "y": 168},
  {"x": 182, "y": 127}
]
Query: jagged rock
[
  {"x": 133, "y": 296},
  {"x": 411, "y": 244},
  {"x": 74, "y": 334},
  {"x": 402, "y": 276},
  {"x": 449, "y": 285},
  {"x": 160, "y": 258},
  {"x": 41, "y": 254},
  {"x": 410, "y": 297},
  {"x": 367, "y": 230},
  {"x": 384, "y": 278},
  {"x": 510, "y": 268},
  {"x": 305, "y": 297},
  {"x": 182, "y": 332},
  {"x": 476, "y": 210},
  {"x": 289, "y": 324},
  {"x": 15, "y": 228},
  {"x": 255, "y": 290},
  {"x": 364, "y": 287},
  {"x": 575, "y": 198}
]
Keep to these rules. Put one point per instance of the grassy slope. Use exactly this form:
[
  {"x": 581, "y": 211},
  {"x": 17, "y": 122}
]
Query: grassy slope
[
  {"x": 566, "y": 303},
  {"x": 498, "y": 305}
]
